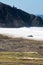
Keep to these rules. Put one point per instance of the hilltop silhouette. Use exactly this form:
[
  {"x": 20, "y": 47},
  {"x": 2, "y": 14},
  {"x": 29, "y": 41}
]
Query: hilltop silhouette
[{"x": 12, "y": 17}]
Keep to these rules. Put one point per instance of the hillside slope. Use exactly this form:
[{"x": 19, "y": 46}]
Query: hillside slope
[
  {"x": 20, "y": 45},
  {"x": 12, "y": 17}
]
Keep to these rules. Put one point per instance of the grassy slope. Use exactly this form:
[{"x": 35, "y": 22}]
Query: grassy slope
[
  {"x": 23, "y": 47},
  {"x": 20, "y": 45}
]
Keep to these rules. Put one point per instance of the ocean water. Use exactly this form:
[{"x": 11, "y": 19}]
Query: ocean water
[{"x": 24, "y": 32}]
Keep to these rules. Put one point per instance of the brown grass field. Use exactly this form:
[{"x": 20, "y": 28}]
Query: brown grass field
[{"x": 19, "y": 51}]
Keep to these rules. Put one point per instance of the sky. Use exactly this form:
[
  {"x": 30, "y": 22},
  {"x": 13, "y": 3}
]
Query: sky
[{"x": 30, "y": 6}]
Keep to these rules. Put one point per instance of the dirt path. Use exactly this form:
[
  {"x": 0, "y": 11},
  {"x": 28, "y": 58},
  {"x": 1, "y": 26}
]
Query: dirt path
[{"x": 29, "y": 58}]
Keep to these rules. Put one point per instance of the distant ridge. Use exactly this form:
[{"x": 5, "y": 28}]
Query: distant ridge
[
  {"x": 12, "y": 17},
  {"x": 41, "y": 16}
]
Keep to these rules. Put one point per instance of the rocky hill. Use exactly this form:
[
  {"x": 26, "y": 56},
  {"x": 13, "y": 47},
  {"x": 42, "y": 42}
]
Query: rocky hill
[{"x": 13, "y": 17}]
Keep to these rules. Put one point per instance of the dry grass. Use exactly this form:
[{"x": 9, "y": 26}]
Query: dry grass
[
  {"x": 20, "y": 45},
  {"x": 12, "y": 50},
  {"x": 15, "y": 58}
]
